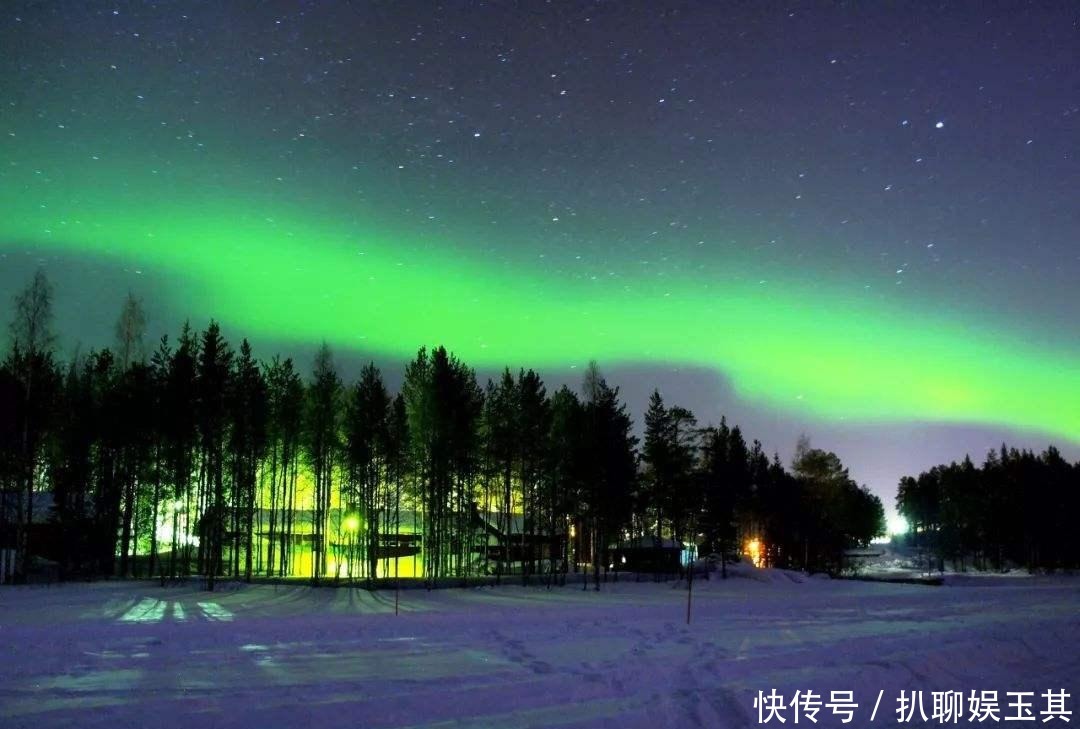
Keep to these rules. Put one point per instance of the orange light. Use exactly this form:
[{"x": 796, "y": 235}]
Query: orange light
[{"x": 755, "y": 551}]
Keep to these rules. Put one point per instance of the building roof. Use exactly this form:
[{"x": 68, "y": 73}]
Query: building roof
[
  {"x": 495, "y": 521},
  {"x": 14, "y": 503},
  {"x": 652, "y": 543}
]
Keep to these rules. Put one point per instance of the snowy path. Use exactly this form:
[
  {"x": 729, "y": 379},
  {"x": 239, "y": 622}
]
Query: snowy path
[{"x": 270, "y": 656}]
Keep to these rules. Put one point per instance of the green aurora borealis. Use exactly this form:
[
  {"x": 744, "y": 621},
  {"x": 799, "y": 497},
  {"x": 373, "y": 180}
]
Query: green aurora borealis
[
  {"x": 318, "y": 175},
  {"x": 306, "y": 277}
]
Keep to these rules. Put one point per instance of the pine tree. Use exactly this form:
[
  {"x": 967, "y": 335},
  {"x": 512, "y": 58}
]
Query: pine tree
[
  {"x": 611, "y": 472},
  {"x": 32, "y": 340},
  {"x": 285, "y": 425},
  {"x": 180, "y": 426},
  {"x": 248, "y": 423},
  {"x": 533, "y": 424},
  {"x": 215, "y": 358},
  {"x": 323, "y": 442},
  {"x": 568, "y": 456},
  {"x": 500, "y": 436},
  {"x": 366, "y": 436}
]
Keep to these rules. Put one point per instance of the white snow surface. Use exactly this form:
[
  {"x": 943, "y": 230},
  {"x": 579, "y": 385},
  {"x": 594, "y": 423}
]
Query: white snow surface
[{"x": 139, "y": 655}]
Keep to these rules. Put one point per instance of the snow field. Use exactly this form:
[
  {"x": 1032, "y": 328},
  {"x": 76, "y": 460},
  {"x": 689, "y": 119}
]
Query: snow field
[{"x": 138, "y": 655}]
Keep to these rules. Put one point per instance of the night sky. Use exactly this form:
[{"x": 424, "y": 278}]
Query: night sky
[{"x": 857, "y": 221}]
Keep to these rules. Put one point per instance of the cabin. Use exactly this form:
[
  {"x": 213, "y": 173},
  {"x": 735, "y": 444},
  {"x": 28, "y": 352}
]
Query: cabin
[
  {"x": 523, "y": 543},
  {"x": 658, "y": 555},
  {"x": 398, "y": 553},
  {"x": 44, "y": 536}
]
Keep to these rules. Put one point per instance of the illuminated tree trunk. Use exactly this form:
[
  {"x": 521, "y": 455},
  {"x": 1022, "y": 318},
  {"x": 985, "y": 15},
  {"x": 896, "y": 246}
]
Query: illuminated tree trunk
[{"x": 271, "y": 536}]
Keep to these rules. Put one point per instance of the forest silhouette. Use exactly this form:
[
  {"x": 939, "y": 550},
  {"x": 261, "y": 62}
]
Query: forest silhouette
[{"x": 195, "y": 458}]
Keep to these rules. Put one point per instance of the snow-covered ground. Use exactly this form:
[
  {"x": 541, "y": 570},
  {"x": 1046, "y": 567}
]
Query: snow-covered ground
[{"x": 138, "y": 655}]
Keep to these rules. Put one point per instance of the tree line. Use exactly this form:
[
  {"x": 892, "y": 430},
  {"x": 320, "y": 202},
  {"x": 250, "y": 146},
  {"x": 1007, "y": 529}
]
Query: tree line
[
  {"x": 1018, "y": 509},
  {"x": 196, "y": 458}
]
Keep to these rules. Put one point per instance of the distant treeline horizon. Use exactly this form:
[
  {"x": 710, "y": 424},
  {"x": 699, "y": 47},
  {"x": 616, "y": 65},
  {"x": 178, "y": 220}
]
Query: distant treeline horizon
[{"x": 1018, "y": 508}]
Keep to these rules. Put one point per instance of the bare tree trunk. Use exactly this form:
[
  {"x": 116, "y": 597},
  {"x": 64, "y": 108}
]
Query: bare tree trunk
[
  {"x": 154, "y": 512},
  {"x": 250, "y": 479},
  {"x": 270, "y": 536},
  {"x": 125, "y": 528}
]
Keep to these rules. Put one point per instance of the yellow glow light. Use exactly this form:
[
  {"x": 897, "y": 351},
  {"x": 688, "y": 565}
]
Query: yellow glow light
[{"x": 755, "y": 551}]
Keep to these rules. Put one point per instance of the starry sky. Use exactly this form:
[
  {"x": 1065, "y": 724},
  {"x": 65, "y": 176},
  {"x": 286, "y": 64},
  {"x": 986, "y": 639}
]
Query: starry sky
[{"x": 857, "y": 221}]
